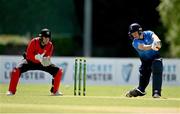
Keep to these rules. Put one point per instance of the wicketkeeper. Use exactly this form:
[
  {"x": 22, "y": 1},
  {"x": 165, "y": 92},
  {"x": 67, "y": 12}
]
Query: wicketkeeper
[
  {"x": 147, "y": 44},
  {"x": 37, "y": 57}
]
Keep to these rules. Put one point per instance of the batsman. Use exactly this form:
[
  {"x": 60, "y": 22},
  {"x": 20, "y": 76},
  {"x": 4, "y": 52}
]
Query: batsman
[
  {"x": 147, "y": 45},
  {"x": 37, "y": 57}
]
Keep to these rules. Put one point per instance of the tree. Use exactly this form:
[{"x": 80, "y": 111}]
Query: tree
[{"x": 170, "y": 17}]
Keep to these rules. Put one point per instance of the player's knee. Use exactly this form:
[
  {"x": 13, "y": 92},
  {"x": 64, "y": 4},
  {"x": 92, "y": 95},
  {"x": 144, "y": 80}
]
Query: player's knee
[
  {"x": 15, "y": 70},
  {"x": 60, "y": 70},
  {"x": 157, "y": 66},
  {"x": 145, "y": 71}
]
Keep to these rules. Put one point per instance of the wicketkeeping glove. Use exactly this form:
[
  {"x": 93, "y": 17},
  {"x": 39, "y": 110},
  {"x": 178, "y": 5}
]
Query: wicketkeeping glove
[
  {"x": 39, "y": 57},
  {"x": 46, "y": 61}
]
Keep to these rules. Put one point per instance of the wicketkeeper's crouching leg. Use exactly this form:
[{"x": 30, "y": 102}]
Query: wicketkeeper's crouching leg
[
  {"x": 56, "y": 83},
  {"x": 52, "y": 69},
  {"x": 15, "y": 75}
]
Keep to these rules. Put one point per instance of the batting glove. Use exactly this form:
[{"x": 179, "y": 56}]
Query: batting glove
[{"x": 156, "y": 45}]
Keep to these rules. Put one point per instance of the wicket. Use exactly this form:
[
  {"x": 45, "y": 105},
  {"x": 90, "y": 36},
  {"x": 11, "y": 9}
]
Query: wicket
[{"x": 79, "y": 70}]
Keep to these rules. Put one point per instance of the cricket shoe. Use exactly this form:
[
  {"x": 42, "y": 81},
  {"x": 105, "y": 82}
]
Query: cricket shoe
[
  {"x": 9, "y": 93},
  {"x": 57, "y": 94},
  {"x": 156, "y": 94},
  {"x": 135, "y": 92}
]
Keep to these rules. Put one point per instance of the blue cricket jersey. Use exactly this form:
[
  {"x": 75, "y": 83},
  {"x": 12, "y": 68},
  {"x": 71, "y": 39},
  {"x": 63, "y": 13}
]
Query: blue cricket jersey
[{"x": 147, "y": 40}]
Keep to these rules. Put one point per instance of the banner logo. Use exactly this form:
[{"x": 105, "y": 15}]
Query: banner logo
[
  {"x": 126, "y": 71},
  {"x": 64, "y": 66}
]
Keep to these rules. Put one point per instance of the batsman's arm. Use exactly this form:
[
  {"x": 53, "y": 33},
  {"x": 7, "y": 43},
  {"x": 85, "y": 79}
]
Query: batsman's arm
[
  {"x": 144, "y": 47},
  {"x": 153, "y": 46},
  {"x": 156, "y": 45},
  {"x": 155, "y": 37},
  {"x": 157, "y": 41}
]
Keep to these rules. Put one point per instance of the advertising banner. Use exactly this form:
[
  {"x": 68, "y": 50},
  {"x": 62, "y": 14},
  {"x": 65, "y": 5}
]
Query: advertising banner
[{"x": 100, "y": 71}]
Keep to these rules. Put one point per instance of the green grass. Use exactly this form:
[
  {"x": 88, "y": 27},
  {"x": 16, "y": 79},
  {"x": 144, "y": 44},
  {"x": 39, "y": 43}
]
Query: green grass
[{"x": 100, "y": 99}]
